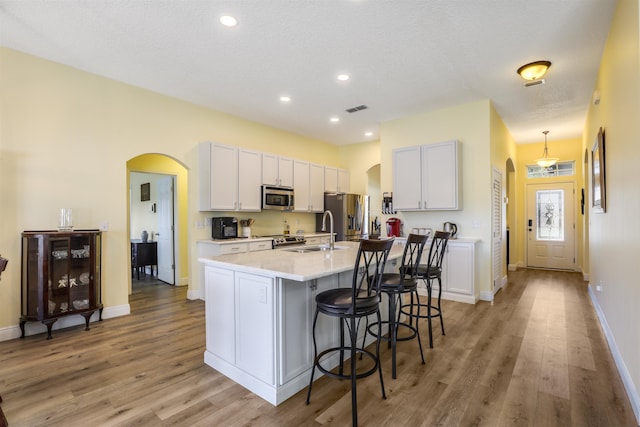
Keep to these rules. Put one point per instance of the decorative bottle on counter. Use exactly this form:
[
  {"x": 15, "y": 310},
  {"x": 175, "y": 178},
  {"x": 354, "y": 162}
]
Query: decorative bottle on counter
[{"x": 144, "y": 236}]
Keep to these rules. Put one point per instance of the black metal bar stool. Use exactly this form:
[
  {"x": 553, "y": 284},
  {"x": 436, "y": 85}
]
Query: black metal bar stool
[
  {"x": 395, "y": 286},
  {"x": 429, "y": 272},
  {"x": 350, "y": 305}
]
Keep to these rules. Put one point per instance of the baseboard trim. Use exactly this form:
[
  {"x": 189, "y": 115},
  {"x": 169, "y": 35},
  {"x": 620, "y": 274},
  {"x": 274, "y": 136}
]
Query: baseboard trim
[
  {"x": 632, "y": 392},
  {"x": 33, "y": 328},
  {"x": 195, "y": 294}
]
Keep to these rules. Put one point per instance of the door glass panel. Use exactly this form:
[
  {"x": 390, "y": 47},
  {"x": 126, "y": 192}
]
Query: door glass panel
[{"x": 549, "y": 205}]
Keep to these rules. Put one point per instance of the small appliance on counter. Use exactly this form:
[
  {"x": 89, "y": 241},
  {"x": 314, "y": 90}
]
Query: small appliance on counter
[
  {"x": 450, "y": 227},
  {"x": 224, "y": 227},
  {"x": 394, "y": 227}
]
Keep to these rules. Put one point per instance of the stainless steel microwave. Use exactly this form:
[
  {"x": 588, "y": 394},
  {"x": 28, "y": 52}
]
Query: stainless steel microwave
[{"x": 277, "y": 198}]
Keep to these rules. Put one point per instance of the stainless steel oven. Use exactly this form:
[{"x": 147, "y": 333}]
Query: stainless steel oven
[{"x": 277, "y": 198}]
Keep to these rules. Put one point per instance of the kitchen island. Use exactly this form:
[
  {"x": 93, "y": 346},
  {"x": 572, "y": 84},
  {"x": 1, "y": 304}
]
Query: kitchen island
[{"x": 259, "y": 310}]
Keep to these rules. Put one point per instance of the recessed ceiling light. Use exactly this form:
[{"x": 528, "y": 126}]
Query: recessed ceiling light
[
  {"x": 343, "y": 77},
  {"x": 228, "y": 21},
  {"x": 334, "y": 119},
  {"x": 368, "y": 134},
  {"x": 285, "y": 98}
]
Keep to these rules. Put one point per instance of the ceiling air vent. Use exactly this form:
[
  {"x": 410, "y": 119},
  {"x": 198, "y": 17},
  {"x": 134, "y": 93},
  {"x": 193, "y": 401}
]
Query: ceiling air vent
[
  {"x": 534, "y": 83},
  {"x": 357, "y": 108}
]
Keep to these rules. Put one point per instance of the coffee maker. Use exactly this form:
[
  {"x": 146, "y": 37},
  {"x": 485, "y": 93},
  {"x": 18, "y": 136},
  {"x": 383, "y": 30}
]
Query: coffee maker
[
  {"x": 224, "y": 227},
  {"x": 394, "y": 227}
]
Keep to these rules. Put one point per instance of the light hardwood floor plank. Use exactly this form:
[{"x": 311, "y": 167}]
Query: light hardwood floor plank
[{"x": 536, "y": 356}]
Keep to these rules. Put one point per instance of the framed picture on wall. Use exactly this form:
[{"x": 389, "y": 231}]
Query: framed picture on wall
[
  {"x": 598, "y": 200},
  {"x": 145, "y": 192}
]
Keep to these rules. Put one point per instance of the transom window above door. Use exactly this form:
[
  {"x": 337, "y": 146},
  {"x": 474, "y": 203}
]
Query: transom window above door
[{"x": 559, "y": 169}]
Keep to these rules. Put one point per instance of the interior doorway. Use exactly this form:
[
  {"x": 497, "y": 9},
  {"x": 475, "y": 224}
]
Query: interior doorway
[
  {"x": 151, "y": 224},
  {"x": 168, "y": 175},
  {"x": 550, "y": 225}
]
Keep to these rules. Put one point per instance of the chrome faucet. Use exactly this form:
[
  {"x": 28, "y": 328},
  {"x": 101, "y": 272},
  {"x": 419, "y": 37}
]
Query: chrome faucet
[{"x": 324, "y": 227}]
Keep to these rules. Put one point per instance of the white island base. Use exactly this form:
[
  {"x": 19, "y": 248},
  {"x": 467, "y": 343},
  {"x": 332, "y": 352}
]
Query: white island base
[{"x": 259, "y": 314}]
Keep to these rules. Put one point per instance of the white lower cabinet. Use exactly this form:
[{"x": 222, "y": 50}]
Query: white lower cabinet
[
  {"x": 458, "y": 271},
  {"x": 255, "y": 326},
  {"x": 220, "y": 313}
]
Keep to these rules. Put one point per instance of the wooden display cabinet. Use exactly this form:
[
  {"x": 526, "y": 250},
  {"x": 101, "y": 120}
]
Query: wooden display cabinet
[{"x": 60, "y": 276}]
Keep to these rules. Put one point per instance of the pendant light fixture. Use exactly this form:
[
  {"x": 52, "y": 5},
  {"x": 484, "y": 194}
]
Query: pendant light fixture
[{"x": 545, "y": 161}]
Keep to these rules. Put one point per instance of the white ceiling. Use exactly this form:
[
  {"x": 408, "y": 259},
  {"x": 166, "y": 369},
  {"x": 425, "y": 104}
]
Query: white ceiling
[{"x": 404, "y": 56}]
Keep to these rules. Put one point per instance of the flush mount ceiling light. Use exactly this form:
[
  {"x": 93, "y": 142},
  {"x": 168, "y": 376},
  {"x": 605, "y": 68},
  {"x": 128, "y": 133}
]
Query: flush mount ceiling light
[
  {"x": 343, "y": 77},
  {"x": 334, "y": 119},
  {"x": 545, "y": 161},
  {"x": 285, "y": 98},
  {"x": 534, "y": 70},
  {"x": 228, "y": 21}
]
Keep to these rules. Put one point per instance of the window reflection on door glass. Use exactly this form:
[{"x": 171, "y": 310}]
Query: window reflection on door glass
[{"x": 549, "y": 206}]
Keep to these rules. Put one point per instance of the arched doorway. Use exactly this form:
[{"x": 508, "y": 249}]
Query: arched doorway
[{"x": 152, "y": 163}]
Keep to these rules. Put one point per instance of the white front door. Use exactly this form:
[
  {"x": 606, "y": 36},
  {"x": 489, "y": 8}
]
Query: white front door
[
  {"x": 166, "y": 264},
  {"x": 550, "y": 226}
]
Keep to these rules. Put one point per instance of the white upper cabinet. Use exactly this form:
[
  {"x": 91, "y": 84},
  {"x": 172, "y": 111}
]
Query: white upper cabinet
[
  {"x": 336, "y": 180},
  {"x": 308, "y": 186},
  {"x": 427, "y": 177},
  {"x": 316, "y": 187},
  {"x": 249, "y": 180},
  {"x": 230, "y": 178},
  {"x": 277, "y": 170}
]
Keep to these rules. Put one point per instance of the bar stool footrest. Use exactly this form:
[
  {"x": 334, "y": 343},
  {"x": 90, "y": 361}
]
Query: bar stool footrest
[
  {"x": 414, "y": 332},
  {"x": 347, "y": 350}
]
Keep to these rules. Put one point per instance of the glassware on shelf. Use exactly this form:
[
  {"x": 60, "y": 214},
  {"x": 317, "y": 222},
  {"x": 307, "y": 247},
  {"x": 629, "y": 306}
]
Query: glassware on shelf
[{"x": 65, "y": 222}]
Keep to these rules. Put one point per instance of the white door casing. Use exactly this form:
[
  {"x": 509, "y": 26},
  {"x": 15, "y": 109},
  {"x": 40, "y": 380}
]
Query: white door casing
[
  {"x": 496, "y": 235},
  {"x": 550, "y": 226},
  {"x": 165, "y": 236}
]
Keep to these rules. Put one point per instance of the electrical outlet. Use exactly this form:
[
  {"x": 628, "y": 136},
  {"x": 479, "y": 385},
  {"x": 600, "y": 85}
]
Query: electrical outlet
[
  {"x": 600, "y": 286},
  {"x": 104, "y": 226},
  {"x": 262, "y": 297},
  {"x": 207, "y": 222}
]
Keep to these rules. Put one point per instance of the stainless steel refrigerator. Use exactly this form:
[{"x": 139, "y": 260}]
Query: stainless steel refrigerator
[{"x": 350, "y": 215}]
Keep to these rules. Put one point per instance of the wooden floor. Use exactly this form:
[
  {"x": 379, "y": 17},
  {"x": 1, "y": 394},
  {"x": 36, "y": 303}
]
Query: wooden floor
[{"x": 536, "y": 357}]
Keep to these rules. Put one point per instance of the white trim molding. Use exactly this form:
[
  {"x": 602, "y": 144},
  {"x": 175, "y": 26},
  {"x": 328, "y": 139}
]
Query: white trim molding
[
  {"x": 33, "y": 328},
  {"x": 632, "y": 392}
]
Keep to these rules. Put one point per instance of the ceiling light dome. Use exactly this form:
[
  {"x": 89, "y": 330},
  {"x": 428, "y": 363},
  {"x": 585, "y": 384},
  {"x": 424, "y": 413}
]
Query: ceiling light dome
[
  {"x": 228, "y": 21},
  {"x": 545, "y": 161},
  {"x": 534, "y": 70}
]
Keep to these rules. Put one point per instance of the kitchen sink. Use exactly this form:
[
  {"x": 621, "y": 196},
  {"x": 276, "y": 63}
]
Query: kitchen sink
[{"x": 304, "y": 249}]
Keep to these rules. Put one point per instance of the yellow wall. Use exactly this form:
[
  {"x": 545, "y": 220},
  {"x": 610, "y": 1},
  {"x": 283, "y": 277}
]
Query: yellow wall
[
  {"x": 613, "y": 236},
  {"x": 565, "y": 150},
  {"x": 66, "y": 137},
  {"x": 358, "y": 159},
  {"x": 503, "y": 148},
  {"x": 470, "y": 124}
]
